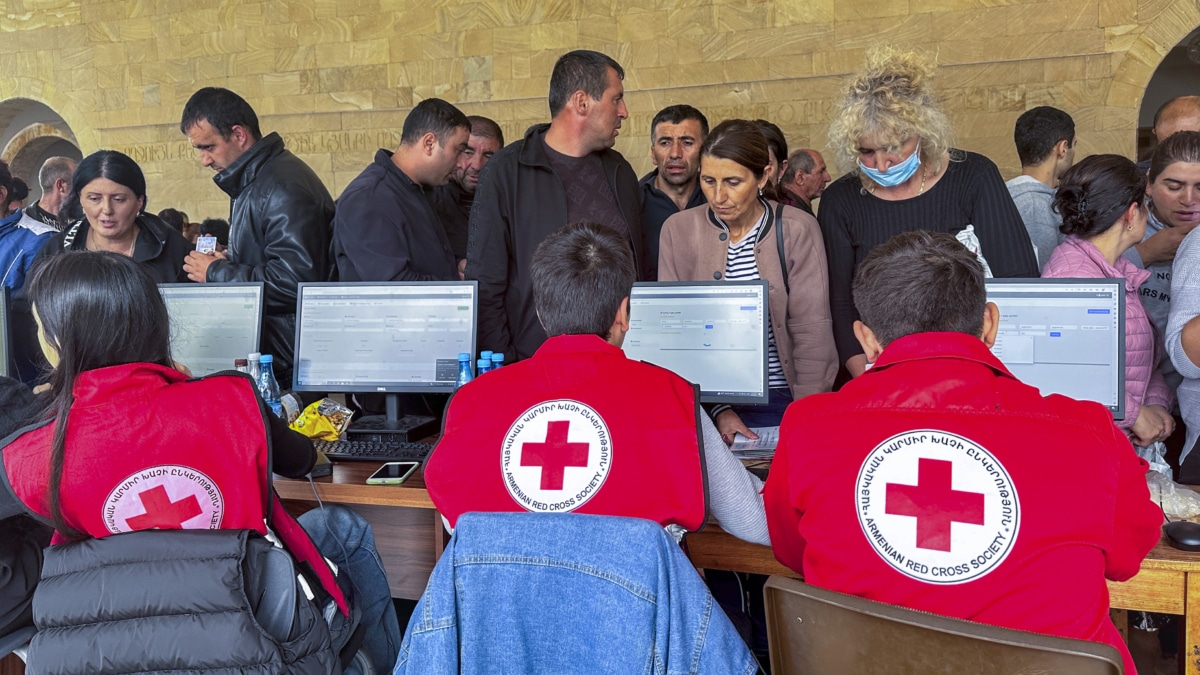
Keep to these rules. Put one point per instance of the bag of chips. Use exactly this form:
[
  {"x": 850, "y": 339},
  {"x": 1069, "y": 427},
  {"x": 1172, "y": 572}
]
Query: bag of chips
[{"x": 324, "y": 420}]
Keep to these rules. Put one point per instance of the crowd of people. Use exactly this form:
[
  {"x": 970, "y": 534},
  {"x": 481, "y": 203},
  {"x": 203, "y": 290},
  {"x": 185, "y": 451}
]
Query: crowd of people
[{"x": 878, "y": 330}]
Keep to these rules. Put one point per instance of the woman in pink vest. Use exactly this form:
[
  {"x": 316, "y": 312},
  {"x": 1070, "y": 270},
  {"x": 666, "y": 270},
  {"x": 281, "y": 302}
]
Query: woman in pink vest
[{"x": 1102, "y": 201}]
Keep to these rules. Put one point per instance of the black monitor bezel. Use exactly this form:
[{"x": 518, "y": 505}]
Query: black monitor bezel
[
  {"x": 1118, "y": 411},
  {"x": 262, "y": 303},
  {"x": 711, "y": 397},
  {"x": 444, "y": 388}
]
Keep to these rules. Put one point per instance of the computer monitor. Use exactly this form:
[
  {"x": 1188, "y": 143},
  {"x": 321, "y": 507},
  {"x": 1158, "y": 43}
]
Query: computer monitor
[
  {"x": 1064, "y": 336},
  {"x": 711, "y": 333},
  {"x": 213, "y": 324},
  {"x": 384, "y": 337}
]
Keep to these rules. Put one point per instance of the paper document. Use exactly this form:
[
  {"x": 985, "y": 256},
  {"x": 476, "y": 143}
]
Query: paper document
[{"x": 764, "y": 446}]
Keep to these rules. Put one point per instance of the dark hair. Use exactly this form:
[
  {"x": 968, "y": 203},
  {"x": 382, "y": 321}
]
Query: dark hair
[
  {"x": 775, "y": 139},
  {"x": 920, "y": 282},
  {"x": 1038, "y": 130},
  {"x": 486, "y": 128},
  {"x": 432, "y": 116},
  {"x": 6, "y": 182},
  {"x": 1181, "y": 146},
  {"x": 222, "y": 109},
  {"x": 677, "y": 114},
  {"x": 216, "y": 227},
  {"x": 581, "y": 69},
  {"x": 175, "y": 218},
  {"x": 581, "y": 273},
  {"x": 19, "y": 191},
  {"x": 1096, "y": 192},
  {"x": 115, "y": 166},
  {"x": 800, "y": 160},
  {"x": 97, "y": 309},
  {"x": 740, "y": 141}
]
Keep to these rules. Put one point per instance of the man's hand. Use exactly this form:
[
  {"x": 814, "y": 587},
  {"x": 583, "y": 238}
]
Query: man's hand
[
  {"x": 462, "y": 269},
  {"x": 729, "y": 423},
  {"x": 1153, "y": 424},
  {"x": 196, "y": 264},
  {"x": 1161, "y": 246}
]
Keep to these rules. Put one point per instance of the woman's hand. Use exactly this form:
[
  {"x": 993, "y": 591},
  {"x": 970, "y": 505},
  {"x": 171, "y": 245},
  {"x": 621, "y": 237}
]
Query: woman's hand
[
  {"x": 1154, "y": 423},
  {"x": 729, "y": 423}
]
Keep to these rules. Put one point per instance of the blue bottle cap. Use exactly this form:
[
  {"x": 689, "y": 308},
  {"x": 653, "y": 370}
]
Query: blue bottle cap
[
  {"x": 265, "y": 358},
  {"x": 484, "y": 363},
  {"x": 463, "y": 356},
  {"x": 497, "y": 358},
  {"x": 485, "y": 354}
]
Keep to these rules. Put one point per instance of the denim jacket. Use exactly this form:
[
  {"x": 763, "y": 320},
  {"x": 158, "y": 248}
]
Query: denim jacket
[{"x": 567, "y": 593}]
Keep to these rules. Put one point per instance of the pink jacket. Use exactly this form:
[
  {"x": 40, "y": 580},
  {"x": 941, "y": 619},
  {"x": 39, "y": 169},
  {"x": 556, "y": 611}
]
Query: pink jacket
[{"x": 1144, "y": 384}]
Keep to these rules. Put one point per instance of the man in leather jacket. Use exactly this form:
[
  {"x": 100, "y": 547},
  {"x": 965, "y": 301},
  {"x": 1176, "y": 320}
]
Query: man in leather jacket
[{"x": 280, "y": 214}]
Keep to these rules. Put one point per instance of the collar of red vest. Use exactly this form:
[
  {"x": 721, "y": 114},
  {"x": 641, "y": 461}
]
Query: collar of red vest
[
  {"x": 924, "y": 346},
  {"x": 573, "y": 344},
  {"x": 103, "y": 385}
]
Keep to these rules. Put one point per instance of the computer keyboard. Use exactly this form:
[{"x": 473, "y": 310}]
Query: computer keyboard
[{"x": 374, "y": 451}]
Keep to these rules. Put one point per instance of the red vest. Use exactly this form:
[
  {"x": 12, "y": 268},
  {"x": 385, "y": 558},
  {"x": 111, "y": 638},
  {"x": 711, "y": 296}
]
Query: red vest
[
  {"x": 578, "y": 427},
  {"x": 147, "y": 448}
]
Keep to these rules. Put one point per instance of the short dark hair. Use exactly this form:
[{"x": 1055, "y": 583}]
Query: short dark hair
[
  {"x": 1096, "y": 192},
  {"x": 920, "y": 282},
  {"x": 775, "y": 139},
  {"x": 432, "y": 116},
  {"x": 111, "y": 164},
  {"x": 177, "y": 219},
  {"x": 740, "y": 141},
  {"x": 581, "y": 69},
  {"x": 800, "y": 160},
  {"x": 216, "y": 227},
  {"x": 1181, "y": 146},
  {"x": 19, "y": 191},
  {"x": 222, "y": 109},
  {"x": 6, "y": 180},
  {"x": 1038, "y": 130},
  {"x": 485, "y": 127},
  {"x": 677, "y": 114},
  {"x": 580, "y": 275}
]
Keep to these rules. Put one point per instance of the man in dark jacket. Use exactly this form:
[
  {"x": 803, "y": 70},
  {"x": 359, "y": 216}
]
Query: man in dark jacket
[
  {"x": 676, "y": 134},
  {"x": 280, "y": 214},
  {"x": 560, "y": 173},
  {"x": 385, "y": 229},
  {"x": 453, "y": 201}
]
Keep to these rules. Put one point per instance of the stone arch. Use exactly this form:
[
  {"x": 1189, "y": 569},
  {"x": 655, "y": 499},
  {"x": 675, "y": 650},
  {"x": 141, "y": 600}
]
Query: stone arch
[{"x": 30, "y": 133}]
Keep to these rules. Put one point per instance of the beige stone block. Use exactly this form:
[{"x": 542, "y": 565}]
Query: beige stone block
[
  {"x": 252, "y": 62},
  {"x": 790, "y": 67},
  {"x": 512, "y": 39},
  {"x": 474, "y": 92},
  {"x": 111, "y": 76},
  {"x": 436, "y": 46},
  {"x": 136, "y": 29},
  {"x": 295, "y": 104},
  {"x": 296, "y": 58},
  {"x": 288, "y": 125},
  {"x": 91, "y": 12},
  {"x": 869, "y": 9},
  {"x": 561, "y": 35},
  {"x": 690, "y": 22},
  {"x": 866, "y": 33},
  {"x": 212, "y": 67},
  {"x": 250, "y": 87},
  {"x": 197, "y": 21},
  {"x": 346, "y": 8},
  {"x": 642, "y": 25},
  {"x": 989, "y": 74},
  {"x": 326, "y": 31},
  {"x": 790, "y": 12},
  {"x": 73, "y": 57},
  {"x": 686, "y": 74},
  {"x": 110, "y": 99},
  {"x": 283, "y": 36},
  {"x": 1117, "y": 12},
  {"x": 1066, "y": 68},
  {"x": 168, "y": 71},
  {"x": 351, "y": 78},
  {"x": 477, "y": 43},
  {"x": 1100, "y": 66},
  {"x": 346, "y": 100},
  {"x": 648, "y": 78},
  {"x": 367, "y": 52},
  {"x": 524, "y": 88},
  {"x": 224, "y": 42},
  {"x": 477, "y": 69},
  {"x": 839, "y": 62},
  {"x": 101, "y": 31},
  {"x": 379, "y": 26},
  {"x": 284, "y": 84},
  {"x": 112, "y": 54},
  {"x": 465, "y": 17},
  {"x": 1042, "y": 17},
  {"x": 740, "y": 16},
  {"x": 142, "y": 51}
]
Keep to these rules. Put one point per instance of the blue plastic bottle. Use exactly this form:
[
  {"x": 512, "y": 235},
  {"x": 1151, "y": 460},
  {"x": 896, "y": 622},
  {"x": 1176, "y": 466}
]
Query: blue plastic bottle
[
  {"x": 268, "y": 388},
  {"x": 497, "y": 360},
  {"x": 484, "y": 365},
  {"x": 464, "y": 369},
  {"x": 486, "y": 356}
]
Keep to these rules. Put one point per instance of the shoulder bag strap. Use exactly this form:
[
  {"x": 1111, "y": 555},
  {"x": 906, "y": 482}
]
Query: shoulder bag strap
[{"x": 779, "y": 243}]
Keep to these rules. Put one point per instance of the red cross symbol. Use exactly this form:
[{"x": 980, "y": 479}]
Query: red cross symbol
[
  {"x": 162, "y": 513},
  {"x": 554, "y": 455},
  {"x": 934, "y": 504}
]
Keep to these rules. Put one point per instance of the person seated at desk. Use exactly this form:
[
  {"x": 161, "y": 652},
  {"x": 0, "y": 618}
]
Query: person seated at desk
[
  {"x": 938, "y": 481},
  {"x": 579, "y": 424},
  {"x": 127, "y": 442}
]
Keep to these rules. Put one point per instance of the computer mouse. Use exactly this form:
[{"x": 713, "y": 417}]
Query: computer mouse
[{"x": 1184, "y": 535}]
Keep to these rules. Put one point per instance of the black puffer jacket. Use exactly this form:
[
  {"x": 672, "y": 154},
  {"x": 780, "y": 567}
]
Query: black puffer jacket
[
  {"x": 198, "y": 601},
  {"x": 279, "y": 230}
]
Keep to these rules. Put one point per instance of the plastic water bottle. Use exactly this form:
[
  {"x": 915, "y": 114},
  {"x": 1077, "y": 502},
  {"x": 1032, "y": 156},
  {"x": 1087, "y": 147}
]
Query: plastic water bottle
[
  {"x": 484, "y": 366},
  {"x": 464, "y": 369},
  {"x": 267, "y": 386},
  {"x": 485, "y": 355},
  {"x": 253, "y": 366},
  {"x": 497, "y": 360}
]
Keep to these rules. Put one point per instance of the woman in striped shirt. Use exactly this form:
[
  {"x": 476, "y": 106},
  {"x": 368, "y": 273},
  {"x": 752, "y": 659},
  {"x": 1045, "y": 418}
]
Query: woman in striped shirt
[{"x": 734, "y": 237}]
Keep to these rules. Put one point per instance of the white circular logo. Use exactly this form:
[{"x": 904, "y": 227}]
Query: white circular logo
[
  {"x": 937, "y": 507},
  {"x": 555, "y": 456},
  {"x": 164, "y": 497}
]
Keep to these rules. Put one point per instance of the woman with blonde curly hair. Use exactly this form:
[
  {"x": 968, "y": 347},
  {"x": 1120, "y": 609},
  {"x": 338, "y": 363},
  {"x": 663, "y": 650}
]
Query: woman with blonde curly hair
[{"x": 890, "y": 127}]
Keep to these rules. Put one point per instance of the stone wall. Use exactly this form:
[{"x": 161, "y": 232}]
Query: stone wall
[{"x": 336, "y": 77}]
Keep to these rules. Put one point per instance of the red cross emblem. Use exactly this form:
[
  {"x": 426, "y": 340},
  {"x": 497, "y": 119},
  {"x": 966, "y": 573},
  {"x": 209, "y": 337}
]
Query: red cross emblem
[
  {"x": 162, "y": 513},
  {"x": 554, "y": 455},
  {"x": 934, "y": 504}
]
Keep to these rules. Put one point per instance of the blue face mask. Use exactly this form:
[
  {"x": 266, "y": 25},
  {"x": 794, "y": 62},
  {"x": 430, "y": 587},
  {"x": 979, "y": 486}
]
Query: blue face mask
[{"x": 898, "y": 173}]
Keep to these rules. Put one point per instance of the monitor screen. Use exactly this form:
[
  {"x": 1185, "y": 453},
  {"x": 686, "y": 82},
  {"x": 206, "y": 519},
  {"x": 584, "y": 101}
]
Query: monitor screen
[
  {"x": 711, "y": 333},
  {"x": 1064, "y": 336},
  {"x": 213, "y": 324},
  {"x": 383, "y": 337}
]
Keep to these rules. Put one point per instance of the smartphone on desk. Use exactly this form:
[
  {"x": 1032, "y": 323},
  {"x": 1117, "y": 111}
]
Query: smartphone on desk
[{"x": 393, "y": 473}]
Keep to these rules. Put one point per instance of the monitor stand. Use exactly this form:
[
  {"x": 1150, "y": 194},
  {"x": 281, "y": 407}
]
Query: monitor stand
[{"x": 391, "y": 427}]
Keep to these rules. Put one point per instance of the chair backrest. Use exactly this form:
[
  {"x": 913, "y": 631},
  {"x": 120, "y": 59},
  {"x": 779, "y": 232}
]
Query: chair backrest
[{"x": 813, "y": 631}]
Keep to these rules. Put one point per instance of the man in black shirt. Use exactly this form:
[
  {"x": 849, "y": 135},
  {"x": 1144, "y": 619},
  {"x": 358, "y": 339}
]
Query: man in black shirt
[
  {"x": 55, "y": 181},
  {"x": 559, "y": 173},
  {"x": 805, "y": 178},
  {"x": 676, "y": 135},
  {"x": 384, "y": 228},
  {"x": 452, "y": 201}
]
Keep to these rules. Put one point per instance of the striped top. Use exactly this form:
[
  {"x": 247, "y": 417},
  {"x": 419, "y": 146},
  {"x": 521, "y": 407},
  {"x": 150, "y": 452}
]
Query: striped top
[{"x": 740, "y": 265}]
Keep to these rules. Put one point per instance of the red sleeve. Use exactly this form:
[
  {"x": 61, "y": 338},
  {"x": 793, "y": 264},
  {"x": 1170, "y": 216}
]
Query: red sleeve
[
  {"x": 783, "y": 519},
  {"x": 1137, "y": 521}
]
